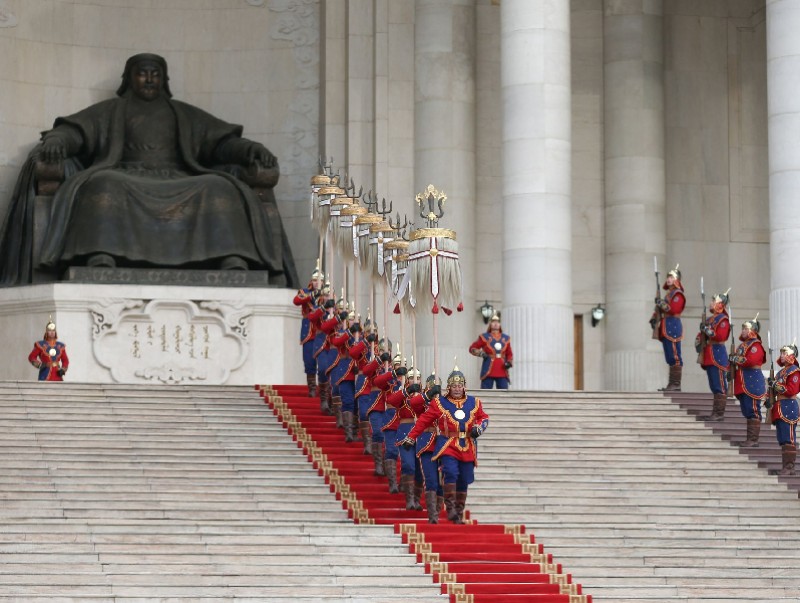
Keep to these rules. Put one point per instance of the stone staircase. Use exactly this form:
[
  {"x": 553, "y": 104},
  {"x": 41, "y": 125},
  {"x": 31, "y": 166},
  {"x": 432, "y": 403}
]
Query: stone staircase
[
  {"x": 638, "y": 499},
  {"x": 121, "y": 493}
]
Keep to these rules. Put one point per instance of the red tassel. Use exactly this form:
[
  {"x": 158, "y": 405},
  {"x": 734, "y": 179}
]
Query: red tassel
[
  {"x": 460, "y": 307},
  {"x": 435, "y": 309},
  {"x": 396, "y": 308},
  {"x": 447, "y": 311}
]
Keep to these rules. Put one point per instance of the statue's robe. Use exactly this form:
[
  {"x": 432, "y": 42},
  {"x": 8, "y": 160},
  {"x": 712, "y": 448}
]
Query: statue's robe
[{"x": 148, "y": 195}]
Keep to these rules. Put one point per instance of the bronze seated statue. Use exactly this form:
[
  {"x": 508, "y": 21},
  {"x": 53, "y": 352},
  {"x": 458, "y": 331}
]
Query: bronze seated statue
[{"x": 143, "y": 180}]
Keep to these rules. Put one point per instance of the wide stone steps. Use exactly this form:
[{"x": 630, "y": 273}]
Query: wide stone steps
[
  {"x": 176, "y": 493},
  {"x": 638, "y": 499}
]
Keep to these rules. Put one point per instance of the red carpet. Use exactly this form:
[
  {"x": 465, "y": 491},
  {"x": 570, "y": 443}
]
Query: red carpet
[{"x": 474, "y": 563}]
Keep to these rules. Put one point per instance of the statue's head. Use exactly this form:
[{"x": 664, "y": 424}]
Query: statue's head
[{"x": 145, "y": 74}]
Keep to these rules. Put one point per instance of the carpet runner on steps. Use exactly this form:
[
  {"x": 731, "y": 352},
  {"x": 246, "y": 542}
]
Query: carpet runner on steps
[{"x": 473, "y": 562}]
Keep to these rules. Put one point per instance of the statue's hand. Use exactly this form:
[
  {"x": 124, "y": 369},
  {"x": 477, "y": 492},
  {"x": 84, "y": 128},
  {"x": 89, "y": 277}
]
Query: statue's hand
[
  {"x": 54, "y": 150},
  {"x": 258, "y": 154}
]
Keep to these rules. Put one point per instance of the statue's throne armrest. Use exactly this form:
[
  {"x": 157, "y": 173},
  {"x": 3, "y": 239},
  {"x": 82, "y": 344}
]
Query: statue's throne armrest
[
  {"x": 262, "y": 180},
  {"x": 47, "y": 178}
]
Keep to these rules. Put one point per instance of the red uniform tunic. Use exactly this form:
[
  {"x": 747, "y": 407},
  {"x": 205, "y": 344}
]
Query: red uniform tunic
[
  {"x": 305, "y": 300},
  {"x": 670, "y": 327},
  {"x": 497, "y": 347},
  {"x": 408, "y": 407},
  {"x": 715, "y": 354},
  {"x": 346, "y": 364},
  {"x": 457, "y": 443},
  {"x": 754, "y": 358},
  {"x": 52, "y": 356}
]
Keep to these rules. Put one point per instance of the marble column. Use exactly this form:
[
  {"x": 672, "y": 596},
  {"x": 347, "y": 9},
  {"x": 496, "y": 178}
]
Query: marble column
[
  {"x": 635, "y": 190},
  {"x": 783, "y": 115},
  {"x": 444, "y": 155},
  {"x": 537, "y": 231}
]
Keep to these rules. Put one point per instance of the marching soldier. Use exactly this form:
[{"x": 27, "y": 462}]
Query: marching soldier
[
  {"x": 425, "y": 449},
  {"x": 494, "y": 347},
  {"x": 461, "y": 420},
  {"x": 365, "y": 353},
  {"x": 346, "y": 370},
  {"x": 668, "y": 328},
  {"x": 390, "y": 382},
  {"x": 306, "y": 299},
  {"x": 49, "y": 355},
  {"x": 408, "y": 405},
  {"x": 325, "y": 322},
  {"x": 784, "y": 412},
  {"x": 715, "y": 330},
  {"x": 749, "y": 385}
]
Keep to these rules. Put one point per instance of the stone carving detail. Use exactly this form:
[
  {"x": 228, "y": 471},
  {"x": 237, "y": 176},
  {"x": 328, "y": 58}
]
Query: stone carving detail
[
  {"x": 297, "y": 22},
  {"x": 142, "y": 341},
  {"x": 7, "y": 18}
]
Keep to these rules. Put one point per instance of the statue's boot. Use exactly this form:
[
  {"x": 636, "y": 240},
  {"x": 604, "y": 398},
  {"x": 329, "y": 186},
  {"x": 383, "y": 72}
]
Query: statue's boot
[
  {"x": 311, "y": 381},
  {"x": 377, "y": 458},
  {"x": 347, "y": 419},
  {"x": 450, "y": 502},
  {"x": 366, "y": 436},
  {"x": 407, "y": 487},
  {"x": 788, "y": 457},
  {"x": 717, "y": 408},
  {"x": 390, "y": 469},
  {"x": 233, "y": 262},
  {"x": 433, "y": 506},
  {"x": 753, "y": 430},
  {"x": 101, "y": 260},
  {"x": 461, "y": 502},
  {"x": 417, "y": 496}
]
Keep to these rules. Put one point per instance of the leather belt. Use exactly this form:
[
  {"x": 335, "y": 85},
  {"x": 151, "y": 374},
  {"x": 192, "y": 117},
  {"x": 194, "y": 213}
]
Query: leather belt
[{"x": 407, "y": 421}]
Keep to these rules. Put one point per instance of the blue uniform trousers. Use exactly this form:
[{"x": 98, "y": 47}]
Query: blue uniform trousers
[
  {"x": 717, "y": 379},
  {"x": 751, "y": 407},
  {"x": 347, "y": 392},
  {"x": 460, "y": 473},
  {"x": 500, "y": 382}
]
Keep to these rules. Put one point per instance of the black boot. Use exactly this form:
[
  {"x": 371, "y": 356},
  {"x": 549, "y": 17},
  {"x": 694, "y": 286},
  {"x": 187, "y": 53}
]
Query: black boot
[
  {"x": 450, "y": 502},
  {"x": 311, "y": 381},
  {"x": 461, "y": 502},
  {"x": 717, "y": 408},
  {"x": 390, "y": 468},
  {"x": 753, "y": 430},
  {"x": 433, "y": 505},
  {"x": 377, "y": 458},
  {"x": 366, "y": 436}
]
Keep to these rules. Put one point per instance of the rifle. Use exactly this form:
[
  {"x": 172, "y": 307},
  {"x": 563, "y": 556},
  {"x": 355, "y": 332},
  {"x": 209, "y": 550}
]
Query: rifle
[
  {"x": 732, "y": 371},
  {"x": 702, "y": 339},
  {"x": 770, "y": 392},
  {"x": 655, "y": 320}
]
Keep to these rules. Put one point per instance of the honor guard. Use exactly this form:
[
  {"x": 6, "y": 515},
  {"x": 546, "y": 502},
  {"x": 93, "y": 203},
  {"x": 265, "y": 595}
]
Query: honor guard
[
  {"x": 390, "y": 382},
  {"x": 668, "y": 328},
  {"x": 461, "y": 420},
  {"x": 377, "y": 413},
  {"x": 749, "y": 385},
  {"x": 324, "y": 321},
  {"x": 49, "y": 355},
  {"x": 784, "y": 412},
  {"x": 339, "y": 329},
  {"x": 715, "y": 331},
  {"x": 425, "y": 448},
  {"x": 346, "y": 370},
  {"x": 494, "y": 347},
  {"x": 365, "y": 353},
  {"x": 306, "y": 298},
  {"x": 408, "y": 404}
]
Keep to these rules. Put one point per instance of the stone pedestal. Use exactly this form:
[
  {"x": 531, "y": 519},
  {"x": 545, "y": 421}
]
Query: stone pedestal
[{"x": 156, "y": 334}]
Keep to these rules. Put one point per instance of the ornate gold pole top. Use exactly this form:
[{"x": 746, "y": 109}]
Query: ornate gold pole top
[{"x": 434, "y": 199}]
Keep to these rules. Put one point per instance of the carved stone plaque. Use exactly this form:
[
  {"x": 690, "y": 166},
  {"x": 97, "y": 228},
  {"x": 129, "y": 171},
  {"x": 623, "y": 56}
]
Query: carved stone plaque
[{"x": 169, "y": 341}]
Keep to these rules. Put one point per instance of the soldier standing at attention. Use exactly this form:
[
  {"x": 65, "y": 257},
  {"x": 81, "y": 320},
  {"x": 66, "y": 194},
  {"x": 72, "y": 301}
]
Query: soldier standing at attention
[
  {"x": 49, "y": 355},
  {"x": 784, "y": 412},
  {"x": 749, "y": 385},
  {"x": 668, "y": 328},
  {"x": 494, "y": 347},
  {"x": 714, "y": 359}
]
